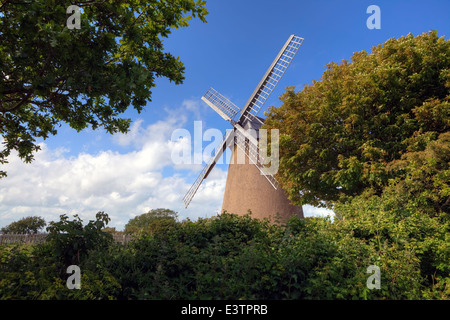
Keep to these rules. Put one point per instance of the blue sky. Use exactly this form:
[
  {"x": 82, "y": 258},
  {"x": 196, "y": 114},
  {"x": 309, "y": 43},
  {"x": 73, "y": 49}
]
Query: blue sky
[{"x": 126, "y": 175}]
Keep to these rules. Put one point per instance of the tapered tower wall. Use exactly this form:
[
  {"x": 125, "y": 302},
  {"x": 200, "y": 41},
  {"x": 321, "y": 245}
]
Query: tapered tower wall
[{"x": 247, "y": 189}]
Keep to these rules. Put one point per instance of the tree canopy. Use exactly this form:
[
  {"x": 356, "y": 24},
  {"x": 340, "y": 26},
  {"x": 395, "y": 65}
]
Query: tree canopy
[
  {"x": 52, "y": 74},
  {"x": 356, "y": 128},
  {"x": 152, "y": 221},
  {"x": 26, "y": 225}
]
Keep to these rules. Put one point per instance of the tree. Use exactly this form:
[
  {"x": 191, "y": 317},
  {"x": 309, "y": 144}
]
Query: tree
[
  {"x": 71, "y": 240},
  {"x": 26, "y": 225},
  {"x": 152, "y": 221},
  {"x": 52, "y": 74},
  {"x": 343, "y": 134}
]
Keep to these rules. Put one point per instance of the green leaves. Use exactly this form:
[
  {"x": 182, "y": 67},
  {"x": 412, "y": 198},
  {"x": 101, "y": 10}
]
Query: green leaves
[
  {"x": 85, "y": 77},
  {"x": 156, "y": 220},
  {"x": 25, "y": 226},
  {"x": 70, "y": 240},
  {"x": 340, "y": 134},
  {"x": 237, "y": 257}
]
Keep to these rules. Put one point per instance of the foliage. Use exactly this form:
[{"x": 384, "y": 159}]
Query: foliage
[
  {"x": 32, "y": 273},
  {"x": 39, "y": 271},
  {"x": 238, "y": 257},
  {"x": 71, "y": 241},
  {"x": 342, "y": 134},
  {"x": 26, "y": 225},
  {"x": 411, "y": 216},
  {"x": 152, "y": 221},
  {"x": 83, "y": 77}
]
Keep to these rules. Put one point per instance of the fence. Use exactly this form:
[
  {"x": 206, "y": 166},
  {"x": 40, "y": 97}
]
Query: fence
[{"x": 37, "y": 238}]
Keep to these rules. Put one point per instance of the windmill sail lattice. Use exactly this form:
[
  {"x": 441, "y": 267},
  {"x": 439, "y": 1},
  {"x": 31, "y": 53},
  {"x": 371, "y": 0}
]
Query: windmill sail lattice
[
  {"x": 272, "y": 76},
  {"x": 220, "y": 104},
  {"x": 239, "y": 137},
  {"x": 227, "y": 140}
]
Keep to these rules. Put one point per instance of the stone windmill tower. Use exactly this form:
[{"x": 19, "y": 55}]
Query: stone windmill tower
[{"x": 250, "y": 185}]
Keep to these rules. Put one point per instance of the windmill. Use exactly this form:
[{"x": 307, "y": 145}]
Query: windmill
[{"x": 249, "y": 186}]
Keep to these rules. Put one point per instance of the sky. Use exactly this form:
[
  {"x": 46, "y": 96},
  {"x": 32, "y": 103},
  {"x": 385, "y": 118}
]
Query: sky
[{"x": 126, "y": 175}]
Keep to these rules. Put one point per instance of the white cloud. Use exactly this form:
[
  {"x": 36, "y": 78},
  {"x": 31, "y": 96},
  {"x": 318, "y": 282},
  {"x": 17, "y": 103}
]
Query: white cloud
[
  {"x": 121, "y": 184},
  {"x": 195, "y": 107}
]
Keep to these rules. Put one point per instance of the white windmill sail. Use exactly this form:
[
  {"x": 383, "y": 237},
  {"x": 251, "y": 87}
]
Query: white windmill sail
[
  {"x": 271, "y": 77},
  {"x": 224, "y": 107},
  {"x": 227, "y": 140}
]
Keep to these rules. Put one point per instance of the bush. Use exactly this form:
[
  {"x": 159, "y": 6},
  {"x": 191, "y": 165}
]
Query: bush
[
  {"x": 238, "y": 257},
  {"x": 39, "y": 271}
]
